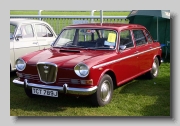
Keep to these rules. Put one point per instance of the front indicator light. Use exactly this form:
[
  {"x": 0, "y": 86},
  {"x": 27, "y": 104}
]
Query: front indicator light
[{"x": 88, "y": 82}]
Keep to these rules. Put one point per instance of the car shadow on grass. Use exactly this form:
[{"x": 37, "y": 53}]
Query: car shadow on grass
[
  {"x": 19, "y": 100},
  {"x": 147, "y": 97},
  {"x": 48, "y": 104}
]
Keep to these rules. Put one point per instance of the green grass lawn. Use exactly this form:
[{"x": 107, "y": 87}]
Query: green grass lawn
[{"x": 140, "y": 97}]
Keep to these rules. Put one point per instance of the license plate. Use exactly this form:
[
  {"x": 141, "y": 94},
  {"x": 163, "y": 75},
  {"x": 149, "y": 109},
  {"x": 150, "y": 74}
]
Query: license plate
[{"x": 44, "y": 92}]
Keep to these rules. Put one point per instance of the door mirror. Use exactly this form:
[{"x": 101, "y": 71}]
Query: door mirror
[
  {"x": 122, "y": 47},
  {"x": 18, "y": 36}
]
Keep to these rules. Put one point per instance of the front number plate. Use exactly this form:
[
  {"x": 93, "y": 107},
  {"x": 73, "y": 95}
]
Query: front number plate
[{"x": 45, "y": 92}]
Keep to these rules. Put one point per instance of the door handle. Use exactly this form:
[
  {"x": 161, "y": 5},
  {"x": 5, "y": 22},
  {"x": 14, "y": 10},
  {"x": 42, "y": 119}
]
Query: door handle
[
  {"x": 35, "y": 42},
  {"x": 150, "y": 47}
]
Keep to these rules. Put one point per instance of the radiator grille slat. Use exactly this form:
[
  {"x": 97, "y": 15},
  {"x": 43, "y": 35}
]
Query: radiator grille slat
[
  {"x": 63, "y": 81},
  {"x": 31, "y": 77}
]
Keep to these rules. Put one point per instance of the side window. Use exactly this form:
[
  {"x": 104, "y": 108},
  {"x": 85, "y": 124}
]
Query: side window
[
  {"x": 126, "y": 39},
  {"x": 139, "y": 37},
  {"x": 43, "y": 31},
  {"x": 148, "y": 36},
  {"x": 26, "y": 31}
]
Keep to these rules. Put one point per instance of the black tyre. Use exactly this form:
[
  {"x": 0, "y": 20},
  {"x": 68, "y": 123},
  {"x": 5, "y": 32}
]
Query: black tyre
[
  {"x": 104, "y": 92},
  {"x": 155, "y": 69}
]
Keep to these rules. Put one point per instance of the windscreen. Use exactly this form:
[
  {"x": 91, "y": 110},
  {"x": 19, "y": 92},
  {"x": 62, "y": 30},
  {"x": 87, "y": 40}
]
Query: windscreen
[{"x": 87, "y": 38}]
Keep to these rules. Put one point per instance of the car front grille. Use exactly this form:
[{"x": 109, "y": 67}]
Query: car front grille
[
  {"x": 47, "y": 72},
  {"x": 30, "y": 77}
]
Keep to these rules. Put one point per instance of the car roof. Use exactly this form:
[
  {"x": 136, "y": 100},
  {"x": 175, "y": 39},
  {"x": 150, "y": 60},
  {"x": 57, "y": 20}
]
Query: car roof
[
  {"x": 106, "y": 25},
  {"x": 23, "y": 20}
]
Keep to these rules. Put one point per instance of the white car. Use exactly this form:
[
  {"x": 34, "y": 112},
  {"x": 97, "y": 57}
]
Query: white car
[{"x": 28, "y": 35}]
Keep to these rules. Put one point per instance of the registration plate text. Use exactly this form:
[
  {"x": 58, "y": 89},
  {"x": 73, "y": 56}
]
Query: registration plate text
[{"x": 45, "y": 92}]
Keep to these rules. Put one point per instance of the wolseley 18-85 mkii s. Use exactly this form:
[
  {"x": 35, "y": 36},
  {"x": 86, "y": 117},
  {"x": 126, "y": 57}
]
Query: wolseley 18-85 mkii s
[{"x": 90, "y": 59}]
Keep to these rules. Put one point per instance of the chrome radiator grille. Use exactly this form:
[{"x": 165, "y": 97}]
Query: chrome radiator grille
[{"x": 47, "y": 72}]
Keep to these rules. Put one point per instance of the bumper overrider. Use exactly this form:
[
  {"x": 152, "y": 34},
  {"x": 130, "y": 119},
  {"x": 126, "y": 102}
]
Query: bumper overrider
[{"x": 61, "y": 89}]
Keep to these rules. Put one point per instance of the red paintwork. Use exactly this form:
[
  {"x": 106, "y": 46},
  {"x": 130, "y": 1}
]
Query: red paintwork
[
  {"x": 123, "y": 70},
  {"x": 115, "y": 26}
]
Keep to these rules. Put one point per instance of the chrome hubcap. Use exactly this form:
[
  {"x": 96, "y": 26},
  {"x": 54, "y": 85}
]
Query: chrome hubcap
[
  {"x": 105, "y": 91},
  {"x": 154, "y": 69}
]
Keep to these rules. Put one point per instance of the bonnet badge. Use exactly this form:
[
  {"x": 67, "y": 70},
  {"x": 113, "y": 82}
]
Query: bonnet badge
[{"x": 45, "y": 69}]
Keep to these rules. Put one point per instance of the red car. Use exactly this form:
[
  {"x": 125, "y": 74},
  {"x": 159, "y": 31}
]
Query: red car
[{"x": 90, "y": 59}]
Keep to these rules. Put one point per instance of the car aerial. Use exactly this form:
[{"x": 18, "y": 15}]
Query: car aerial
[
  {"x": 90, "y": 60},
  {"x": 28, "y": 35}
]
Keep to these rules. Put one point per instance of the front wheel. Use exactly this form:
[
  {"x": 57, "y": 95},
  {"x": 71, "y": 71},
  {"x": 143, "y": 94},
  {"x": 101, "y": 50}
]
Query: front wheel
[
  {"x": 154, "y": 70},
  {"x": 104, "y": 92}
]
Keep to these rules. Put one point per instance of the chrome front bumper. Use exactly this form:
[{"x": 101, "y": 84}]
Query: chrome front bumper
[{"x": 65, "y": 89}]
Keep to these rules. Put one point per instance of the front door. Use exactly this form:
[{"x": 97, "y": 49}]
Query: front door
[
  {"x": 44, "y": 35},
  {"x": 27, "y": 43},
  {"x": 128, "y": 64}
]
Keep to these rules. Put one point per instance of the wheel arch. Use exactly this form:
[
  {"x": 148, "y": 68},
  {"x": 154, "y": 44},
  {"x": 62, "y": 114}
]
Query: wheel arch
[
  {"x": 111, "y": 74},
  {"x": 159, "y": 59}
]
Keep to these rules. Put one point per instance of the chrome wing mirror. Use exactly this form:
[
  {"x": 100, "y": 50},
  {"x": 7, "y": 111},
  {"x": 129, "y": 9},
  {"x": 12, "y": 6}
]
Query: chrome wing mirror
[
  {"x": 122, "y": 47},
  {"x": 18, "y": 36}
]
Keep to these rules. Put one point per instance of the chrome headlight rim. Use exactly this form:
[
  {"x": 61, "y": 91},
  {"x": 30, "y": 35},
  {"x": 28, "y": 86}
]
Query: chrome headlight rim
[
  {"x": 78, "y": 67},
  {"x": 23, "y": 63}
]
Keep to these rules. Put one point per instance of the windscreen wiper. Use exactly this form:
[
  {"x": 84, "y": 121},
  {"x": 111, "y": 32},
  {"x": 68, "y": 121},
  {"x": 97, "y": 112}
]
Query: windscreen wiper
[
  {"x": 103, "y": 48},
  {"x": 72, "y": 46}
]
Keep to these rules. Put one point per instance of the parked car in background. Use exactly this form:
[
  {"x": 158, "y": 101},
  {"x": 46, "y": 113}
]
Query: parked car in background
[
  {"x": 90, "y": 59},
  {"x": 27, "y": 35}
]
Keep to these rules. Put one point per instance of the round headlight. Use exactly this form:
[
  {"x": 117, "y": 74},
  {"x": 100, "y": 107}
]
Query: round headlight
[
  {"x": 20, "y": 64},
  {"x": 81, "y": 70}
]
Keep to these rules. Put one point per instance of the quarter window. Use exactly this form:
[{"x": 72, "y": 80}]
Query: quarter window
[
  {"x": 43, "y": 31},
  {"x": 148, "y": 36},
  {"x": 139, "y": 37}
]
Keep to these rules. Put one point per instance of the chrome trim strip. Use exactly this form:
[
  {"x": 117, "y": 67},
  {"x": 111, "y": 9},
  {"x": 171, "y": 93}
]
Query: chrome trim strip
[
  {"x": 49, "y": 63},
  {"x": 45, "y": 44},
  {"x": 114, "y": 61},
  {"x": 44, "y": 86},
  {"x": 25, "y": 47},
  {"x": 69, "y": 90}
]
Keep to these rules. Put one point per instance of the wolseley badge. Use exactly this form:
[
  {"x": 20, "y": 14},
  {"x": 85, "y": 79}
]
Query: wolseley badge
[{"x": 45, "y": 69}]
